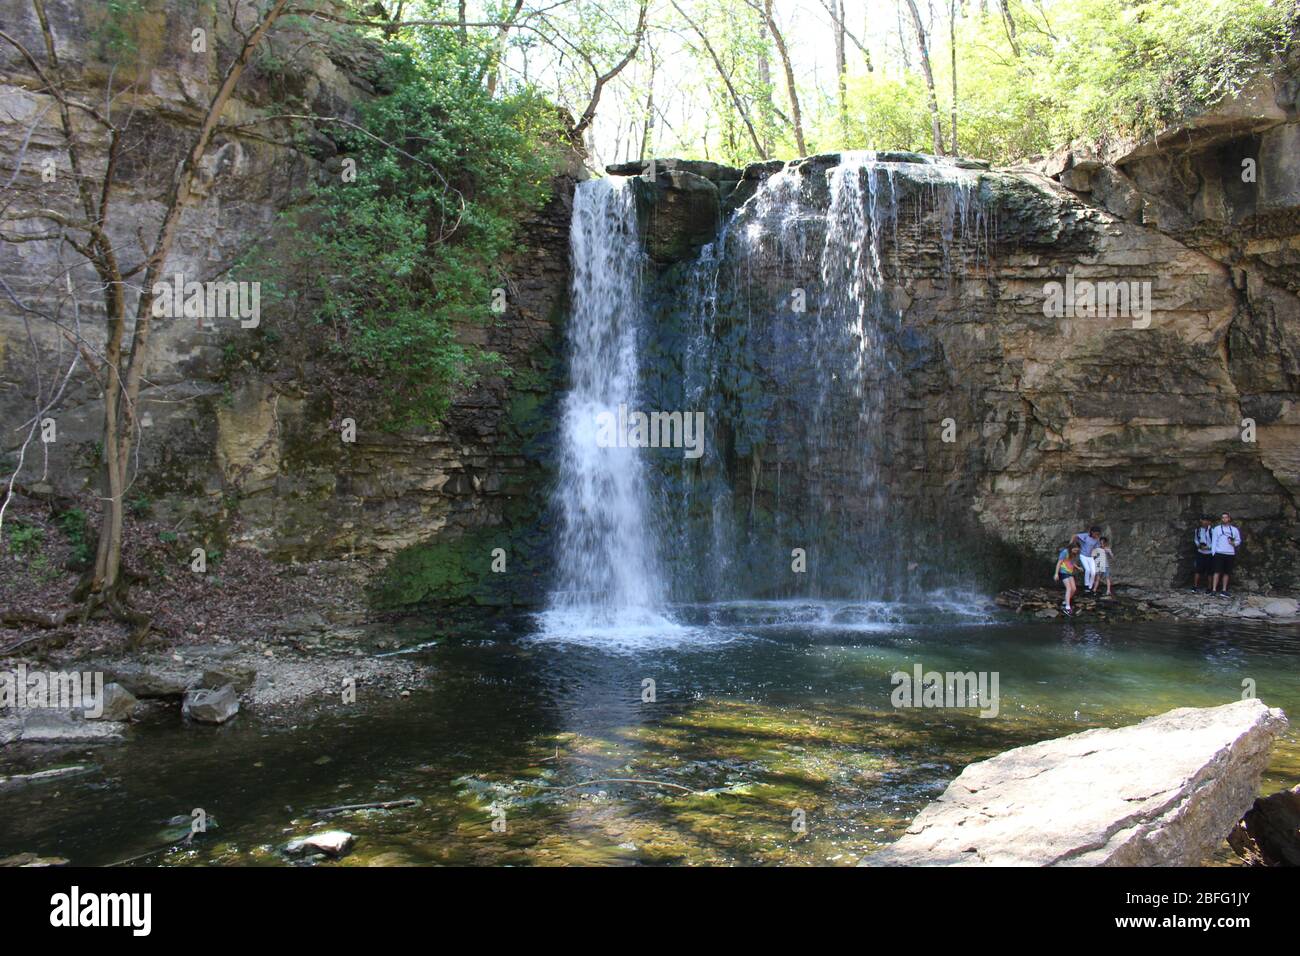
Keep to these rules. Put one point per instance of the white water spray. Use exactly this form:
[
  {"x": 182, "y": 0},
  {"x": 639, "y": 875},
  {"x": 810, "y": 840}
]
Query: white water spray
[{"x": 608, "y": 574}]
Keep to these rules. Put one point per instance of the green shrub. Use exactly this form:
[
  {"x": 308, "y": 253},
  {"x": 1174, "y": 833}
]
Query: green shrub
[
  {"x": 391, "y": 265},
  {"x": 76, "y": 529},
  {"x": 24, "y": 538}
]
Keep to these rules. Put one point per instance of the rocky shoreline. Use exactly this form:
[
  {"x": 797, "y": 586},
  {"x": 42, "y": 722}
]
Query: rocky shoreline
[
  {"x": 275, "y": 678},
  {"x": 1153, "y": 604}
]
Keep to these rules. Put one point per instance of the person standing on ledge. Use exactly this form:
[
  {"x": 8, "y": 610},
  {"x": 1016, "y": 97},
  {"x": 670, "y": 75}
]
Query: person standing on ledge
[
  {"x": 1087, "y": 542},
  {"x": 1102, "y": 555},
  {"x": 1224, "y": 542},
  {"x": 1202, "y": 538},
  {"x": 1065, "y": 570}
]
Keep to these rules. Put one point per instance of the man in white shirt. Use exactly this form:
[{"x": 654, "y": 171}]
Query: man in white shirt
[{"x": 1224, "y": 542}]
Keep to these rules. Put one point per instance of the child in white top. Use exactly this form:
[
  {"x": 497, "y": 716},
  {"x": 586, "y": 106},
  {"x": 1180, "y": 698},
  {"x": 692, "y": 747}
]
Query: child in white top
[{"x": 1102, "y": 555}]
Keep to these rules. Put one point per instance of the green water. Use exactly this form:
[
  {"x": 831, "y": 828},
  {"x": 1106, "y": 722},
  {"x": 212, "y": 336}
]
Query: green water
[{"x": 763, "y": 715}]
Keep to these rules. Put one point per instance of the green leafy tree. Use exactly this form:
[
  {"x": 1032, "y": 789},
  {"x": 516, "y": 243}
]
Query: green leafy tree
[{"x": 401, "y": 249}]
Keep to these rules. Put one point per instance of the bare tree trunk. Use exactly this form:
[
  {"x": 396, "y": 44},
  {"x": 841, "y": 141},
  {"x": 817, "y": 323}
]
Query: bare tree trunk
[
  {"x": 726, "y": 80},
  {"x": 902, "y": 38},
  {"x": 122, "y": 388},
  {"x": 796, "y": 114},
  {"x": 648, "y": 127},
  {"x": 766, "y": 108},
  {"x": 841, "y": 66},
  {"x": 952, "y": 43},
  {"x": 1009, "y": 24},
  {"x": 924, "y": 47},
  {"x": 840, "y": 20},
  {"x": 499, "y": 47},
  {"x": 589, "y": 114}
]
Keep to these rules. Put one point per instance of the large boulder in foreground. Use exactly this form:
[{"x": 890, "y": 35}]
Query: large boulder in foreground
[{"x": 1164, "y": 792}]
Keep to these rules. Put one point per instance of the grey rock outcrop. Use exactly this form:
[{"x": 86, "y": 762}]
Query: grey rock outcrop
[
  {"x": 118, "y": 703},
  {"x": 211, "y": 706},
  {"x": 1135, "y": 422},
  {"x": 1164, "y": 792},
  {"x": 1226, "y": 183}
]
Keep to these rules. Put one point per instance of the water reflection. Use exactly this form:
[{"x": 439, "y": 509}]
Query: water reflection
[{"x": 793, "y": 717}]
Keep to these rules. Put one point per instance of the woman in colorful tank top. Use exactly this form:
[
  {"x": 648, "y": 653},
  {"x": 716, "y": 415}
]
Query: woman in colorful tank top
[{"x": 1066, "y": 568}]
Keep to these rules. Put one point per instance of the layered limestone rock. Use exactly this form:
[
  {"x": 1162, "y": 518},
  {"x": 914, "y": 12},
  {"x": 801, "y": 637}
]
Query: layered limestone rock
[
  {"x": 1005, "y": 425},
  {"x": 238, "y": 447},
  {"x": 1165, "y": 792},
  {"x": 1226, "y": 183}
]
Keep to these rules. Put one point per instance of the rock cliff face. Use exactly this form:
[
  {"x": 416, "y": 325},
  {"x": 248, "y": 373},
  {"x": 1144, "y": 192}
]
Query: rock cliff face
[
  {"x": 1056, "y": 421},
  {"x": 1226, "y": 184},
  {"x": 1055, "y": 418},
  {"x": 237, "y": 449}
]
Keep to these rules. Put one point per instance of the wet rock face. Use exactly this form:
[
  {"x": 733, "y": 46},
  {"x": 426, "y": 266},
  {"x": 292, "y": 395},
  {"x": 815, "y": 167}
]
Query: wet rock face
[
  {"x": 1165, "y": 792},
  {"x": 1003, "y": 423},
  {"x": 680, "y": 203}
]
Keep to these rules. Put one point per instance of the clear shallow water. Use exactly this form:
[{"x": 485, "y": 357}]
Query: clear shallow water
[{"x": 761, "y": 710}]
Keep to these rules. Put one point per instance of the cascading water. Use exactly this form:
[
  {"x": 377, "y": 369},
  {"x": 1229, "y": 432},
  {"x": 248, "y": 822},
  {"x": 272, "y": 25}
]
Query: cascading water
[
  {"x": 607, "y": 573},
  {"x": 784, "y": 333},
  {"x": 792, "y": 328}
]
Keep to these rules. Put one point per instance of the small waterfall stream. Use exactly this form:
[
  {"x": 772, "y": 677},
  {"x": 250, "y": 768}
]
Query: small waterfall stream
[{"x": 608, "y": 573}]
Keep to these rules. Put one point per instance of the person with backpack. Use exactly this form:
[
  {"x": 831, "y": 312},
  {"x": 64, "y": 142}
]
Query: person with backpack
[
  {"x": 1224, "y": 542},
  {"x": 1202, "y": 538}
]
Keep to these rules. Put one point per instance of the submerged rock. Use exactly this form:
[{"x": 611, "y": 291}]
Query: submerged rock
[
  {"x": 31, "y": 859},
  {"x": 43, "y": 776},
  {"x": 211, "y": 706},
  {"x": 333, "y": 843},
  {"x": 119, "y": 703},
  {"x": 51, "y": 725},
  {"x": 1164, "y": 792}
]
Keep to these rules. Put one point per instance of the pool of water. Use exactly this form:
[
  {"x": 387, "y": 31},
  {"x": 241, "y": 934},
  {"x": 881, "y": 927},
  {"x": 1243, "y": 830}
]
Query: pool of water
[{"x": 767, "y": 736}]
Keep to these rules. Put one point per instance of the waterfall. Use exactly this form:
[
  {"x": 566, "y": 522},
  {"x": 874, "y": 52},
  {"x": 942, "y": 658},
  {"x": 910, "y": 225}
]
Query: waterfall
[
  {"x": 787, "y": 336},
  {"x": 607, "y": 567},
  {"x": 798, "y": 293}
]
